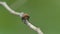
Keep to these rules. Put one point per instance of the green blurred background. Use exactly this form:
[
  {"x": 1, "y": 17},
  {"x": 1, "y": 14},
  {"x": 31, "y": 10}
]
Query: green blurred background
[{"x": 44, "y": 14}]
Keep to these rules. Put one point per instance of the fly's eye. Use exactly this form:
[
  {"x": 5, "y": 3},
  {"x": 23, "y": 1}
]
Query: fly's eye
[{"x": 25, "y": 16}]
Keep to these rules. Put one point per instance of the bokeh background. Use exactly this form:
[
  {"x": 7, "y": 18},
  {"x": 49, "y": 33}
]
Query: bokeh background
[{"x": 44, "y": 14}]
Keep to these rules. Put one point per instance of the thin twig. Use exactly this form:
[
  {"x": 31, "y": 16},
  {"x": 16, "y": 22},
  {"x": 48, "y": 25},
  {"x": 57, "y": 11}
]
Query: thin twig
[
  {"x": 21, "y": 14},
  {"x": 10, "y": 10},
  {"x": 33, "y": 27}
]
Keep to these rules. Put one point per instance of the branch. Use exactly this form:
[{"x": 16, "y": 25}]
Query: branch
[
  {"x": 33, "y": 27},
  {"x": 10, "y": 10},
  {"x": 21, "y": 14}
]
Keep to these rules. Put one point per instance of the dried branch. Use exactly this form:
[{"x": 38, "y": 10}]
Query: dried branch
[{"x": 21, "y": 14}]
